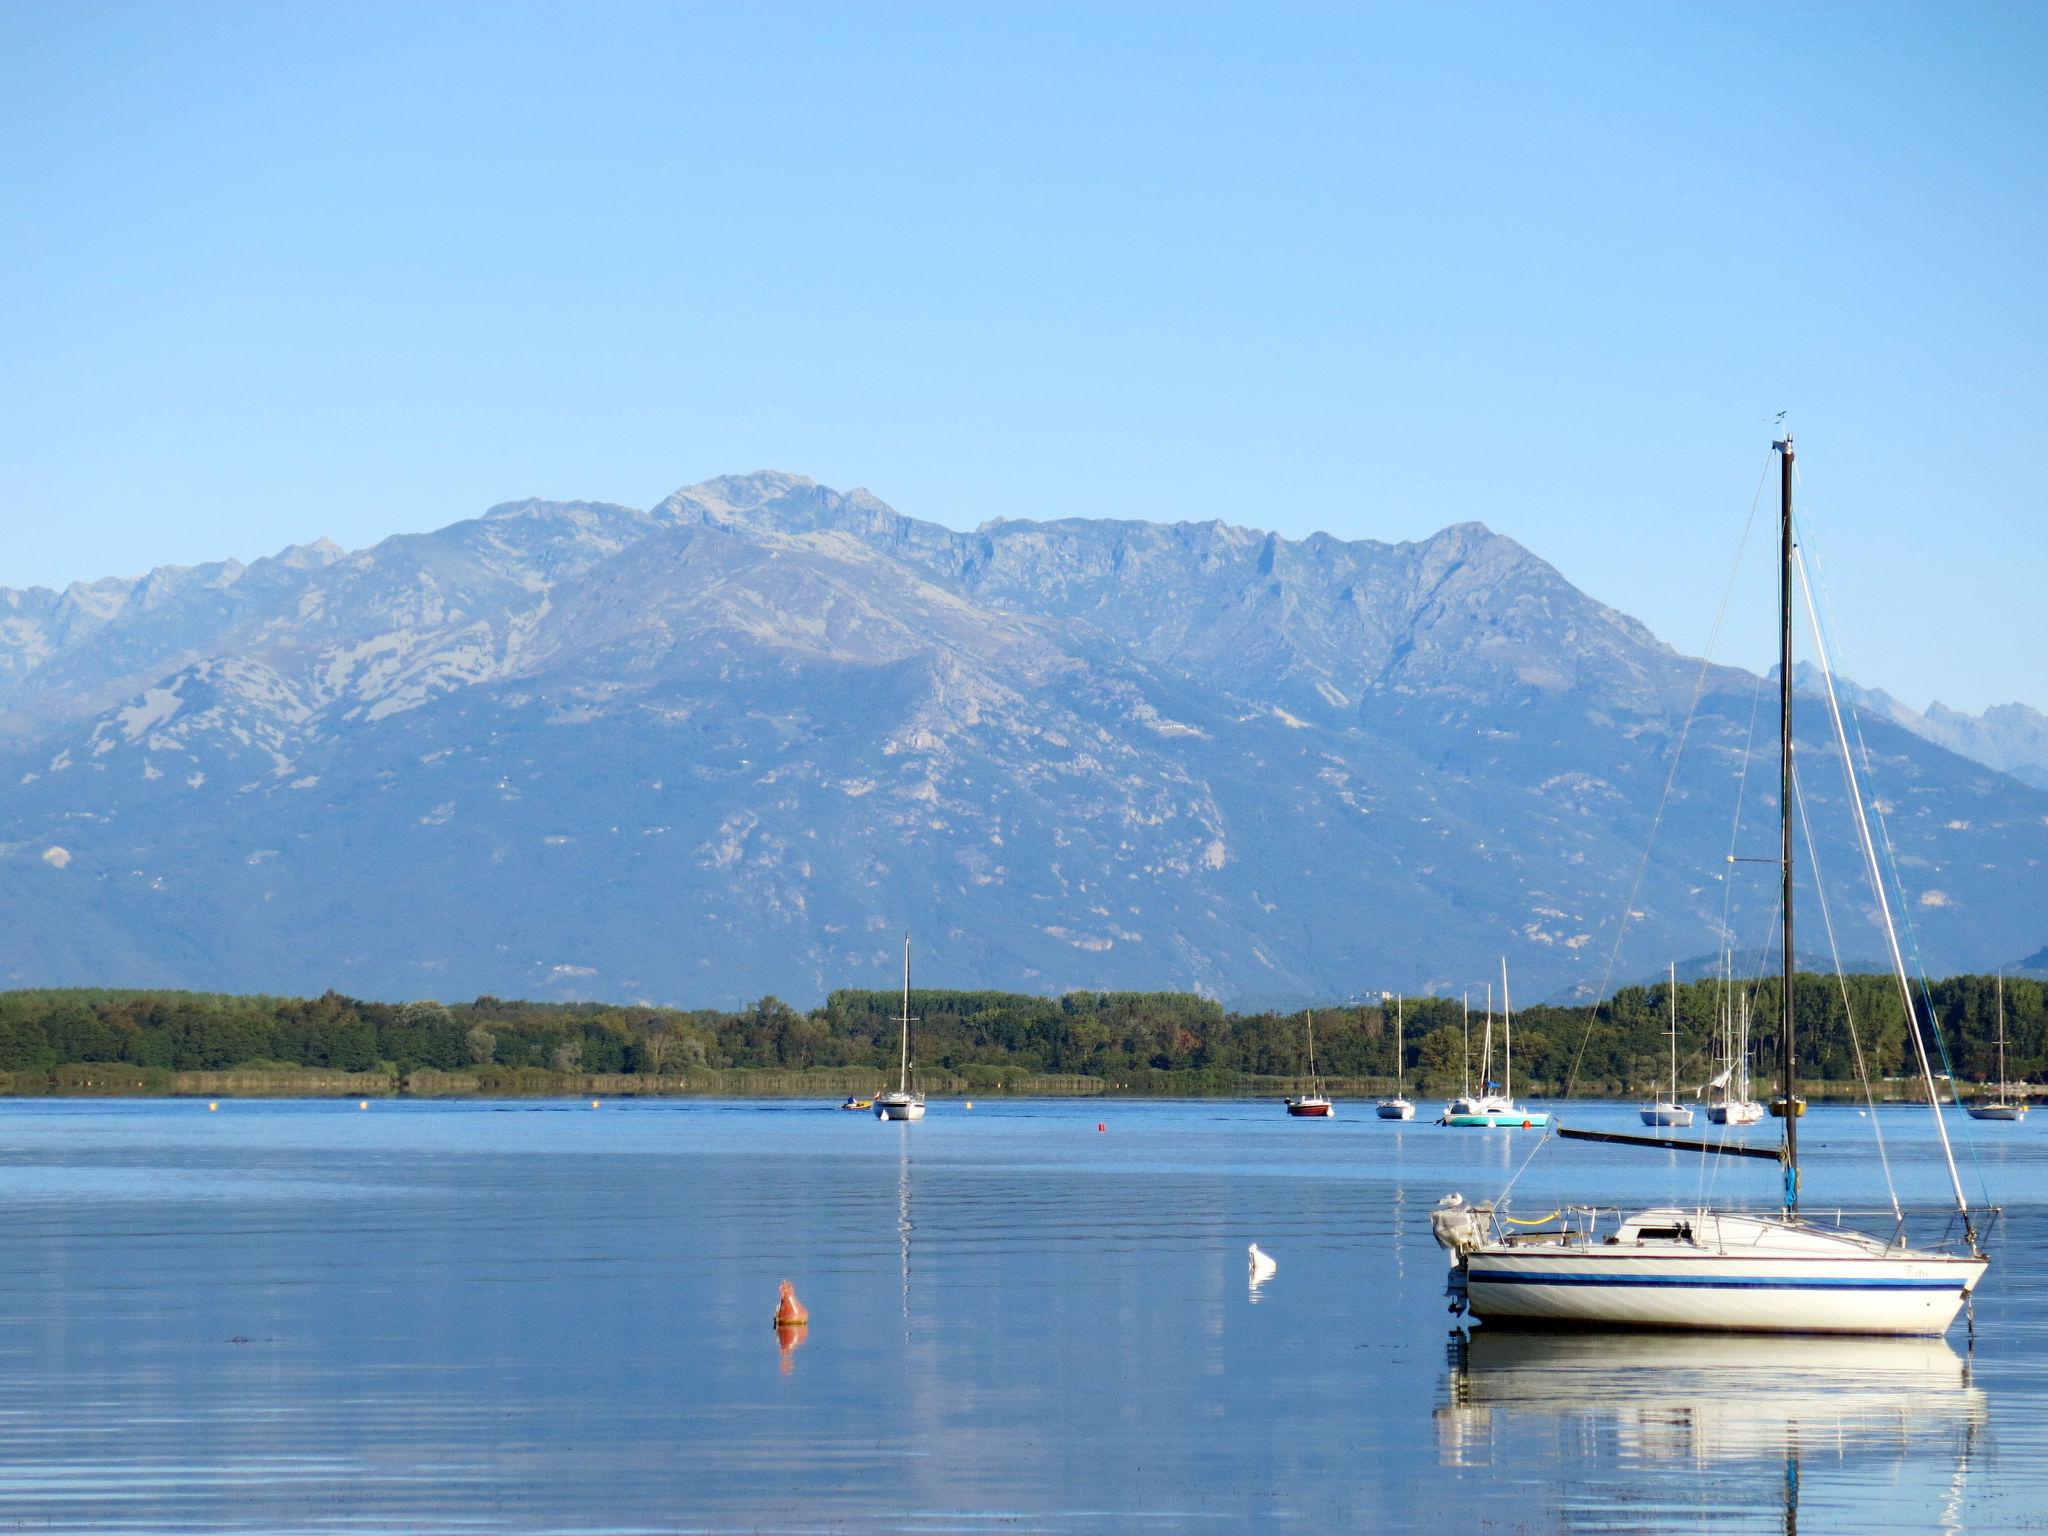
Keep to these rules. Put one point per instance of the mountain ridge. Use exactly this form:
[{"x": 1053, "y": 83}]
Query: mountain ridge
[{"x": 741, "y": 729}]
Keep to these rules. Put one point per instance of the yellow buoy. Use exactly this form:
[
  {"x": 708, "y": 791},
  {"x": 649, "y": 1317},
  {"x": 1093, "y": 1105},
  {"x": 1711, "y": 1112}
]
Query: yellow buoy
[
  {"x": 363, "y": 1104},
  {"x": 593, "y": 1103},
  {"x": 970, "y": 1103},
  {"x": 212, "y": 1107}
]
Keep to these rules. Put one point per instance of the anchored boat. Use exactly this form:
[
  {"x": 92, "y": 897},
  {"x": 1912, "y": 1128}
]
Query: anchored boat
[
  {"x": 1999, "y": 1107},
  {"x": 1315, "y": 1104},
  {"x": 904, "y": 1103},
  {"x": 1397, "y": 1108},
  {"x": 1489, "y": 1108},
  {"x": 1777, "y": 1272}
]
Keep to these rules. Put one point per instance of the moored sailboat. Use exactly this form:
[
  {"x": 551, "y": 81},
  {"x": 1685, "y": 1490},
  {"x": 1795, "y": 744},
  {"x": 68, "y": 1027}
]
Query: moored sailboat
[
  {"x": 1398, "y": 1107},
  {"x": 1670, "y": 1111},
  {"x": 1703, "y": 1268},
  {"x": 1999, "y": 1106},
  {"x": 1490, "y": 1108},
  {"x": 1736, "y": 1106},
  {"x": 903, "y": 1103},
  {"x": 1315, "y": 1104}
]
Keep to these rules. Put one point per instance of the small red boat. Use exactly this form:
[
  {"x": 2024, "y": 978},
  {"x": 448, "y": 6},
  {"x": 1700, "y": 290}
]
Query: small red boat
[{"x": 1314, "y": 1104}]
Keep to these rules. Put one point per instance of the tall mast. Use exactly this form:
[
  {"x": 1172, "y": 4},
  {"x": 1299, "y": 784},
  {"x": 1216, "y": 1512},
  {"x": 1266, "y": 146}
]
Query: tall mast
[
  {"x": 1465, "y": 1061},
  {"x": 1788, "y": 1066},
  {"x": 2001, "y": 1035},
  {"x": 1311, "y": 1050},
  {"x": 903, "y": 1077},
  {"x": 1486, "y": 1045},
  {"x": 1674, "y": 1031},
  {"x": 1507, "y": 1037},
  {"x": 1401, "y": 1049}
]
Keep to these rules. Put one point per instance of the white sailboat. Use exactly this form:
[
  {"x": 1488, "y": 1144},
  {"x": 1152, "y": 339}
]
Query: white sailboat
[
  {"x": 1670, "y": 1111},
  {"x": 1397, "y": 1108},
  {"x": 1736, "y": 1106},
  {"x": 1489, "y": 1108},
  {"x": 1999, "y": 1106},
  {"x": 1706, "y": 1268},
  {"x": 903, "y": 1103}
]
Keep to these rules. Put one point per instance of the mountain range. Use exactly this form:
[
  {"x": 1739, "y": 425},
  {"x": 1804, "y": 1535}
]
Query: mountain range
[{"x": 739, "y": 742}]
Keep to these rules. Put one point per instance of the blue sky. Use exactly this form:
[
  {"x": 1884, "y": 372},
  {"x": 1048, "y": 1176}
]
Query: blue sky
[{"x": 283, "y": 271}]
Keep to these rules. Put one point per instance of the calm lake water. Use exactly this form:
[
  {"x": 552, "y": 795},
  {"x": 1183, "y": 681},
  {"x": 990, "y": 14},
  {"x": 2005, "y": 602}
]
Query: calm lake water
[{"x": 480, "y": 1318}]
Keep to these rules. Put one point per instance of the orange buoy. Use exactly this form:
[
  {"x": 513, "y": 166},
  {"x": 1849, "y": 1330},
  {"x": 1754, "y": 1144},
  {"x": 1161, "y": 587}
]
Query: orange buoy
[{"x": 789, "y": 1312}]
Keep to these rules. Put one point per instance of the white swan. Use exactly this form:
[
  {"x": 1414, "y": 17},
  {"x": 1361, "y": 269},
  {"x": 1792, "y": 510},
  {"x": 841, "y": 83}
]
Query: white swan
[{"x": 1263, "y": 1266}]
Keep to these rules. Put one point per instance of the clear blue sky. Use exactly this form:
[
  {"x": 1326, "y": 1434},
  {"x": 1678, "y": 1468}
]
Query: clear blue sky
[{"x": 275, "y": 271}]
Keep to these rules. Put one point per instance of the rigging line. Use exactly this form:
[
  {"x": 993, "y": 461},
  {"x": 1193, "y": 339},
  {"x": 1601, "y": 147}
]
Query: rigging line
[
  {"x": 1500, "y": 1201},
  {"x": 1710, "y": 1172},
  {"x": 1877, "y": 883},
  {"x": 1897, "y": 885},
  {"x": 1842, "y": 981},
  {"x": 1677, "y": 756}
]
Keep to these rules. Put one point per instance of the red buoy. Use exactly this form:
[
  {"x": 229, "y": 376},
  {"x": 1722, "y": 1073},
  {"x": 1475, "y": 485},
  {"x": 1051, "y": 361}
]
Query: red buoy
[
  {"x": 1100, "y": 1126},
  {"x": 789, "y": 1312}
]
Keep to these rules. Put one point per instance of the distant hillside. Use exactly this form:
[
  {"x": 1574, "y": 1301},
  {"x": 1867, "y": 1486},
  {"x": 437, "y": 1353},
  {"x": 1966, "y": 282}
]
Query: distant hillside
[{"x": 738, "y": 743}]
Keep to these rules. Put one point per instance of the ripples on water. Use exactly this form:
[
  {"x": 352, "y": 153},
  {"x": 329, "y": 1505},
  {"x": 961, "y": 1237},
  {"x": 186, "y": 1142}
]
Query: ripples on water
[{"x": 478, "y": 1318}]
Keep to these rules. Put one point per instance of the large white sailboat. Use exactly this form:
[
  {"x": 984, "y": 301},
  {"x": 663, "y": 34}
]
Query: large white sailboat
[
  {"x": 1670, "y": 1111},
  {"x": 1490, "y": 1108},
  {"x": 903, "y": 1103},
  {"x": 1706, "y": 1268}
]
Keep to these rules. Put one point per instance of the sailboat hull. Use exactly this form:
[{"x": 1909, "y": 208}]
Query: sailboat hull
[
  {"x": 1395, "y": 1109},
  {"x": 1996, "y": 1111},
  {"x": 1726, "y": 1272},
  {"x": 1666, "y": 1114},
  {"x": 899, "y": 1106},
  {"x": 1735, "y": 1112},
  {"x": 1309, "y": 1108}
]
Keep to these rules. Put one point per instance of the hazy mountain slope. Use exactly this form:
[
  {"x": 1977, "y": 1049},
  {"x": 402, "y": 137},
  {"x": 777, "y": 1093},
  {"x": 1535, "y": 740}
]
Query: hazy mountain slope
[
  {"x": 2009, "y": 737},
  {"x": 738, "y": 743}
]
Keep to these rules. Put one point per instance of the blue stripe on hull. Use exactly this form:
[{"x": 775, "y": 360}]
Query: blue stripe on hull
[{"x": 1687, "y": 1282}]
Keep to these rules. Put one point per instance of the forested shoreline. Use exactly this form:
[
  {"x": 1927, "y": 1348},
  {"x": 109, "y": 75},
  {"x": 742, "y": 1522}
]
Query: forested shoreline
[{"x": 94, "y": 1041}]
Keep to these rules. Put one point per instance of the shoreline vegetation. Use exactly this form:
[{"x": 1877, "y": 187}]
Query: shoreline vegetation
[{"x": 140, "y": 1043}]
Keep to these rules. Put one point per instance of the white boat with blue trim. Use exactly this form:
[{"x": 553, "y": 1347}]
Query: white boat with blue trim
[{"x": 1775, "y": 1272}]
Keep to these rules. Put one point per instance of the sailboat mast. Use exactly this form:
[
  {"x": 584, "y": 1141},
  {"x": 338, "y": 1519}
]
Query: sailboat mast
[
  {"x": 1401, "y": 1050},
  {"x": 1465, "y": 1061},
  {"x": 1674, "y": 1031},
  {"x": 1311, "y": 1050},
  {"x": 903, "y": 1075},
  {"x": 2001, "y": 1035},
  {"x": 1789, "y": 1063},
  {"x": 1507, "y": 1036}
]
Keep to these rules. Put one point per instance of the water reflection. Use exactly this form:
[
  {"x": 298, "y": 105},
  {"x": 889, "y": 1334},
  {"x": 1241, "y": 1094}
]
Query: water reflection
[{"x": 1900, "y": 1411}]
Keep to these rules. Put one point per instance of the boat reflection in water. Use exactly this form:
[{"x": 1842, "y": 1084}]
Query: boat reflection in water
[{"x": 1774, "y": 1426}]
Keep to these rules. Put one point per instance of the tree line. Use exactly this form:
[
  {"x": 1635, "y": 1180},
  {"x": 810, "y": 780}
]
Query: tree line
[{"x": 1142, "y": 1041}]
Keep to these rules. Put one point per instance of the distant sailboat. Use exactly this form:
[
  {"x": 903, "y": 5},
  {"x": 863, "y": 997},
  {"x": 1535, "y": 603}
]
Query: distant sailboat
[
  {"x": 1397, "y": 1108},
  {"x": 1487, "y": 1108},
  {"x": 1736, "y": 1106},
  {"x": 1315, "y": 1104},
  {"x": 902, "y": 1104},
  {"x": 1999, "y": 1107},
  {"x": 1670, "y": 1111}
]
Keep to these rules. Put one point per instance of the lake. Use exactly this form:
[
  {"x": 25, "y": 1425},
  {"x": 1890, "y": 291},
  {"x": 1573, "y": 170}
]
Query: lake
[{"x": 547, "y": 1317}]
